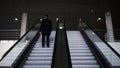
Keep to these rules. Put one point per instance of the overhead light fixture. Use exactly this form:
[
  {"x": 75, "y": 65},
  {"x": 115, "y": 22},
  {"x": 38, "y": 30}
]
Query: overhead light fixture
[
  {"x": 60, "y": 27},
  {"x": 91, "y": 10},
  {"x": 41, "y": 19},
  {"x": 16, "y": 19},
  {"x": 99, "y": 18},
  {"x": 80, "y": 19},
  {"x": 57, "y": 19}
]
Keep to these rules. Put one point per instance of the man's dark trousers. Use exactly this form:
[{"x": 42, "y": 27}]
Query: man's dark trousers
[{"x": 47, "y": 39}]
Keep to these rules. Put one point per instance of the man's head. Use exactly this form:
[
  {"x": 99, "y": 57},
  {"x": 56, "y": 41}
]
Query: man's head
[{"x": 45, "y": 16}]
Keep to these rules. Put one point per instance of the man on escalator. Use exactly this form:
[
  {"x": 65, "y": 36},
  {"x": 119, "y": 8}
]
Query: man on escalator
[{"x": 45, "y": 30}]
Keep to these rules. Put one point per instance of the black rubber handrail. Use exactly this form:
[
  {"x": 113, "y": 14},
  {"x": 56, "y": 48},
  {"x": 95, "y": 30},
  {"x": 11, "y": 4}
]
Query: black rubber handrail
[
  {"x": 103, "y": 40},
  {"x": 69, "y": 56},
  {"x": 20, "y": 39},
  {"x": 54, "y": 51},
  {"x": 95, "y": 51},
  {"x": 61, "y": 54}
]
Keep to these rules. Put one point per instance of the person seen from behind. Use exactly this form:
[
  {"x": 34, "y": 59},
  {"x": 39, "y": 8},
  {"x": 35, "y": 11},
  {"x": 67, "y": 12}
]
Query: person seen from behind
[{"x": 45, "y": 30}]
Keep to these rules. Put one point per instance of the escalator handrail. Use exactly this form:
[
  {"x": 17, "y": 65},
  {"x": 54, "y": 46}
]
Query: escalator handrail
[
  {"x": 103, "y": 40},
  {"x": 69, "y": 56},
  {"x": 54, "y": 48},
  {"x": 54, "y": 51},
  {"x": 20, "y": 39}
]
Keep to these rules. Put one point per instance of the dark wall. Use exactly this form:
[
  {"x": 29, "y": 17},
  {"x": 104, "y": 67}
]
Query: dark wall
[
  {"x": 71, "y": 11},
  {"x": 115, "y": 11}
]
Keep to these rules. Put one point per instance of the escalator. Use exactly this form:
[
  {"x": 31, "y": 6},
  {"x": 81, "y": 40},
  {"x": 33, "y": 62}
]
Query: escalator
[
  {"x": 28, "y": 52},
  {"x": 104, "y": 54},
  {"x": 73, "y": 49},
  {"x": 40, "y": 57},
  {"x": 81, "y": 55}
]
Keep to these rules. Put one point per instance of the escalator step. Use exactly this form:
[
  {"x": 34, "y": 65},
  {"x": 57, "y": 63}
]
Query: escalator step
[
  {"x": 36, "y": 66},
  {"x": 38, "y": 62},
  {"x": 39, "y": 58},
  {"x": 86, "y": 66},
  {"x": 78, "y": 57},
  {"x": 75, "y": 48},
  {"x": 80, "y": 53},
  {"x": 38, "y": 51},
  {"x": 78, "y": 46},
  {"x": 84, "y": 62},
  {"x": 40, "y": 55}
]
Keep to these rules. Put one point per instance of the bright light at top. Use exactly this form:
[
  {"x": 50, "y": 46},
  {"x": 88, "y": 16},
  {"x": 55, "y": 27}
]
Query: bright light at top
[
  {"x": 60, "y": 27},
  {"x": 80, "y": 19},
  {"x": 99, "y": 19},
  {"x": 41, "y": 19},
  {"x": 57, "y": 19},
  {"x": 16, "y": 19}
]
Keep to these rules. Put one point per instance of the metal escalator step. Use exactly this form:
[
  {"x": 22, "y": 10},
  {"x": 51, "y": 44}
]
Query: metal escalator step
[
  {"x": 76, "y": 41},
  {"x": 84, "y": 62},
  {"x": 39, "y": 55},
  {"x": 75, "y": 48},
  {"x": 38, "y": 51},
  {"x": 81, "y": 54},
  {"x": 78, "y": 47},
  {"x": 80, "y": 51},
  {"x": 47, "y": 62},
  {"x": 43, "y": 48},
  {"x": 77, "y": 44},
  {"x": 82, "y": 58},
  {"x": 36, "y": 66},
  {"x": 86, "y": 66},
  {"x": 40, "y": 43},
  {"x": 39, "y": 58},
  {"x": 38, "y": 46}
]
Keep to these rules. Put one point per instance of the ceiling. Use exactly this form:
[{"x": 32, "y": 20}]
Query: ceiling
[
  {"x": 14, "y": 8},
  {"x": 35, "y": 5}
]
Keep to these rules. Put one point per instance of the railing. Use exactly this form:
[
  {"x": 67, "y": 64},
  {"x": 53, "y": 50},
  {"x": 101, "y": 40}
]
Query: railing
[
  {"x": 14, "y": 54},
  {"x": 9, "y": 34},
  {"x": 109, "y": 56},
  {"x": 61, "y": 54}
]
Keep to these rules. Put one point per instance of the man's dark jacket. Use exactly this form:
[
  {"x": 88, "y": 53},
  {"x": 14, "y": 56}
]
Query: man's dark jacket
[{"x": 46, "y": 26}]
